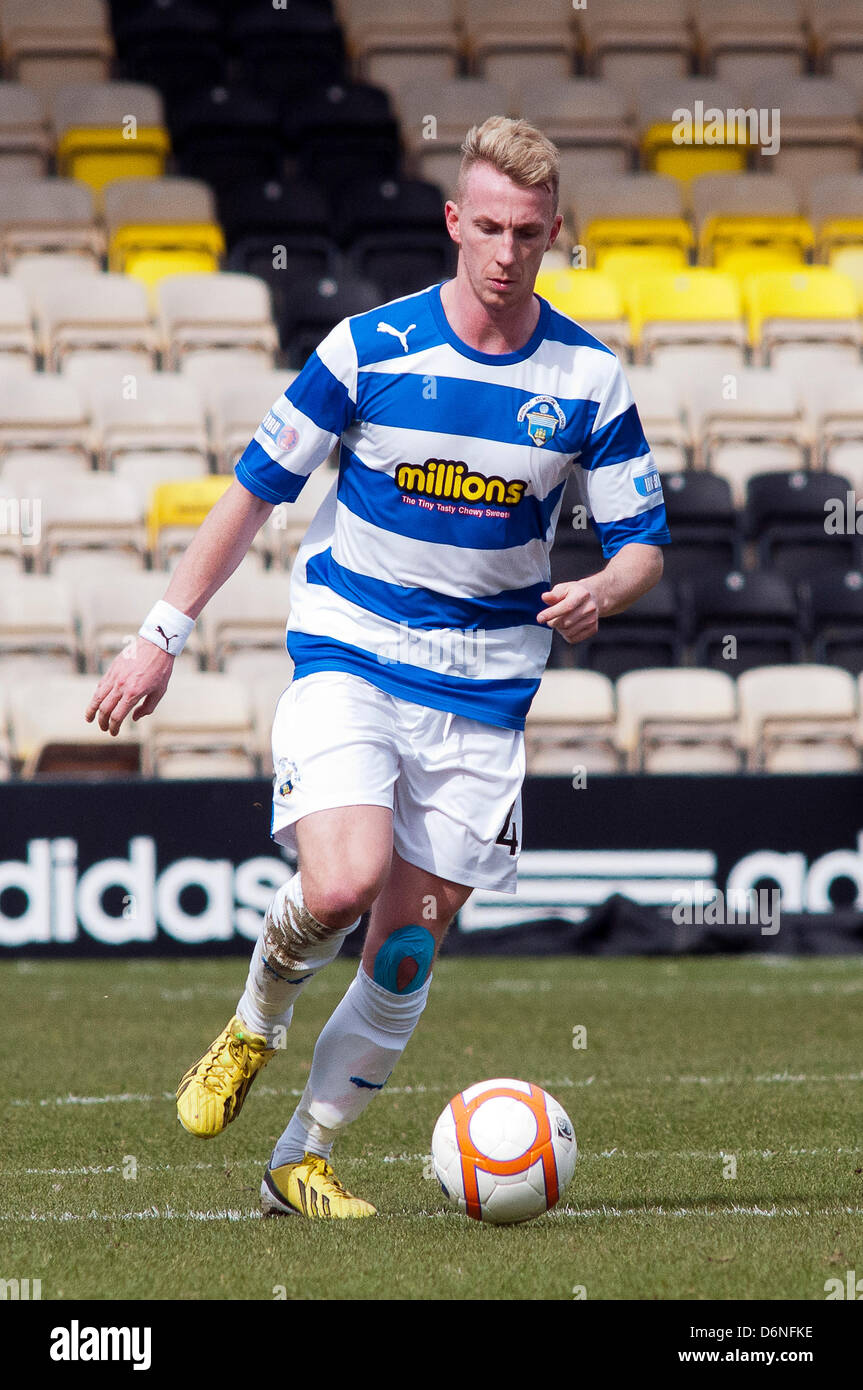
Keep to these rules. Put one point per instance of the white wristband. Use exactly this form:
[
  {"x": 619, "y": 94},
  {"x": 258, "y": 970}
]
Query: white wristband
[{"x": 167, "y": 627}]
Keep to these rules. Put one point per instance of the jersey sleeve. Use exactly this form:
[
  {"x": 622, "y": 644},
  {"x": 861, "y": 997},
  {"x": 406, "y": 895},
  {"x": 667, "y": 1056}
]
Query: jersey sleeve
[
  {"x": 300, "y": 429},
  {"x": 619, "y": 479}
]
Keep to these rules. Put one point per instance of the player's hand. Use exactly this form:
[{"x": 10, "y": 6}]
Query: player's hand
[
  {"x": 572, "y": 610},
  {"x": 140, "y": 673}
]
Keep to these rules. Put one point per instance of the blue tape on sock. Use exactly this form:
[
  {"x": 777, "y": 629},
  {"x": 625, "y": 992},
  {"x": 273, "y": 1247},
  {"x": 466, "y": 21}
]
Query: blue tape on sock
[{"x": 407, "y": 943}]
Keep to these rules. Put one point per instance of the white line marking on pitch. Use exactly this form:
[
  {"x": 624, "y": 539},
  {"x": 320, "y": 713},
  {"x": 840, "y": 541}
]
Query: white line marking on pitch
[{"x": 587, "y": 1214}]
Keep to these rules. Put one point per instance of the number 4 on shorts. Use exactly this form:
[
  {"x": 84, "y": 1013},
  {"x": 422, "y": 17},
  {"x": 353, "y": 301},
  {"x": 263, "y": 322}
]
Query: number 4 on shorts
[{"x": 512, "y": 839}]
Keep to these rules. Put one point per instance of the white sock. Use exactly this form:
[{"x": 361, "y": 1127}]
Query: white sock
[
  {"x": 355, "y": 1054},
  {"x": 291, "y": 948}
]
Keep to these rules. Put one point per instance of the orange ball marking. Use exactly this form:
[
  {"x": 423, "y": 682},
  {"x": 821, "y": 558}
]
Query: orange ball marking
[{"x": 474, "y": 1162}]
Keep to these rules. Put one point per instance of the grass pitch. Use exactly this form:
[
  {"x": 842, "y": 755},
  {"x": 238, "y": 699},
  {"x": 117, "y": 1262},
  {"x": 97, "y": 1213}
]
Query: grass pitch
[{"x": 716, "y": 1105}]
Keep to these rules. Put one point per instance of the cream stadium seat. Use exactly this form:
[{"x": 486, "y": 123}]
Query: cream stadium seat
[
  {"x": 47, "y": 215},
  {"x": 41, "y": 411},
  {"x": 590, "y": 121},
  {"x": 678, "y": 720},
  {"x": 570, "y": 727},
  {"x": 163, "y": 411},
  {"x": 627, "y": 42},
  {"x": 801, "y": 718},
  {"x": 747, "y": 44},
  {"x": 50, "y": 735},
  {"x": 839, "y": 424},
  {"x": 249, "y": 612},
  {"x": 25, "y": 141},
  {"x": 820, "y": 128},
  {"x": 92, "y": 512},
  {"x": 664, "y": 416},
  {"x": 17, "y": 339},
  {"x": 146, "y": 470},
  {"x": 223, "y": 310},
  {"x": 752, "y": 424},
  {"x": 393, "y": 45},
  {"x": 511, "y": 44},
  {"x": 236, "y": 404},
  {"x": 203, "y": 727},
  {"x": 37, "y": 622},
  {"x": 94, "y": 312},
  {"x": 835, "y": 204},
  {"x": 837, "y": 27},
  {"x": 110, "y": 610},
  {"x": 40, "y": 472},
  {"x": 46, "y": 44},
  {"x": 434, "y": 117}
]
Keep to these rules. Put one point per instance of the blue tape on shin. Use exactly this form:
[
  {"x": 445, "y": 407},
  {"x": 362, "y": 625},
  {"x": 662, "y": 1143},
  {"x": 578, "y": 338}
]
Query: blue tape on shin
[{"x": 407, "y": 943}]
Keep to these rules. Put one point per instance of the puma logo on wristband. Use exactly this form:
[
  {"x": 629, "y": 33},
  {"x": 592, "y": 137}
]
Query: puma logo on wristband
[
  {"x": 164, "y": 625},
  {"x": 168, "y": 640}
]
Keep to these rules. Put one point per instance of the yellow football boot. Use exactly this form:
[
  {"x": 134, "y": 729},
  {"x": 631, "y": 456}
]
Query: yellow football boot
[
  {"x": 311, "y": 1189},
  {"x": 212, "y": 1092}
]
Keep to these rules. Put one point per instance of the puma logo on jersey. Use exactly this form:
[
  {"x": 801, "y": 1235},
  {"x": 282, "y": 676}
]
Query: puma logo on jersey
[
  {"x": 396, "y": 333},
  {"x": 166, "y": 639}
]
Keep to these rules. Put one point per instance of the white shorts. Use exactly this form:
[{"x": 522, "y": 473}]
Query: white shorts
[{"x": 453, "y": 784}]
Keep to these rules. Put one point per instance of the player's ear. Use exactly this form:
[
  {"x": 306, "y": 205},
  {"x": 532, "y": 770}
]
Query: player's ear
[
  {"x": 451, "y": 217},
  {"x": 555, "y": 230}
]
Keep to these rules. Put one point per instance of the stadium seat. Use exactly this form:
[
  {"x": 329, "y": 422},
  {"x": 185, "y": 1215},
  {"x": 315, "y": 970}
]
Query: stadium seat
[
  {"x": 25, "y": 141},
  {"x": 735, "y": 621},
  {"x": 90, "y": 312},
  {"x": 590, "y": 121},
  {"x": 176, "y": 512},
  {"x": 164, "y": 411},
  {"x": 51, "y": 738},
  {"x": 110, "y": 609},
  {"x": 163, "y": 43},
  {"x": 236, "y": 405},
  {"x": 39, "y": 472},
  {"x": 703, "y": 524},
  {"x": 836, "y": 212},
  {"x": 786, "y": 518},
  {"x": 571, "y": 724},
  {"x": 678, "y": 720},
  {"x": 45, "y": 44},
  {"x": 745, "y": 44},
  {"x": 799, "y": 719},
  {"x": 592, "y": 299},
  {"x": 833, "y": 604},
  {"x": 312, "y": 310},
  {"x": 838, "y": 409},
  {"x": 345, "y": 126},
  {"x": 146, "y": 470},
  {"x": 634, "y": 212},
  {"x": 17, "y": 339},
  {"x": 647, "y": 634},
  {"x": 814, "y": 304},
  {"x": 203, "y": 727},
  {"x": 758, "y": 214},
  {"x": 162, "y": 227},
  {"x": 301, "y": 38},
  {"x": 690, "y": 308},
  {"x": 686, "y": 150},
  {"x": 227, "y": 133},
  {"x": 48, "y": 215},
  {"x": 627, "y": 43},
  {"x": 838, "y": 39},
  {"x": 393, "y": 231},
  {"x": 220, "y": 310},
  {"x": 41, "y": 411},
  {"x": 248, "y": 613},
  {"x": 91, "y": 512},
  {"x": 109, "y": 130},
  {"x": 820, "y": 132},
  {"x": 434, "y": 118},
  {"x": 37, "y": 620},
  {"x": 393, "y": 46},
  {"x": 511, "y": 45},
  {"x": 751, "y": 417},
  {"x": 664, "y": 417}
]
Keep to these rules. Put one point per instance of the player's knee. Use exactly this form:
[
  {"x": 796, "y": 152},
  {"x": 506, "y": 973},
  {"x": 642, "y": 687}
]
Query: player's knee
[
  {"x": 341, "y": 900},
  {"x": 404, "y": 960}
]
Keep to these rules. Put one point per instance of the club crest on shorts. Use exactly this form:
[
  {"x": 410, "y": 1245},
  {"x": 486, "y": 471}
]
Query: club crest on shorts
[
  {"x": 543, "y": 416},
  {"x": 287, "y": 776}
]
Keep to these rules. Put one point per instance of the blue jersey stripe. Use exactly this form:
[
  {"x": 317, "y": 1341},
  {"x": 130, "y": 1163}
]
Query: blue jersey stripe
[
  {"x": 501, "y": 702},
  {"x": 321, "y": 396},
  {"x": 488, "y": 412},
  {"x": 375, "y": 497},
  {"x": 649, "y": 528},
  {"x": 266, "y": 479},
  {"x": 425, "y": 608},
  {"x": 620, "y": 440}
]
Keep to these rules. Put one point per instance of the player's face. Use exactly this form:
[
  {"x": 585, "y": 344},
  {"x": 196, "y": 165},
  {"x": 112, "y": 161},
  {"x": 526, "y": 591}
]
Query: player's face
[{"x": 503, "y": 232}]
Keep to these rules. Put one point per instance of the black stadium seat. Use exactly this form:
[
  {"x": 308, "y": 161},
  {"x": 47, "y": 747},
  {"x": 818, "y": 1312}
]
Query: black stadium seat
[
  {"x": 737, "y": 621},
  {"x": 167, "y": 42},
  {"x": 227, "y": 133},
  {"x": 341, "y": 127},
  {"x": 283, "y": 49},
  {"x": 366, "y": 206},
  {"x": 786, "y": 515},
  {"x": 647, "y": 634},
  {"x": 833, "y": 604},
  {"x": 703, "y": 524},
  {"x": 312, "y": 309}
]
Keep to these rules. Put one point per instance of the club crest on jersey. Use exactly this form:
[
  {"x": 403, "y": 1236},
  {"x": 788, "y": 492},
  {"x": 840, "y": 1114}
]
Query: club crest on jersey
[
  {"x": 283, "y": 435},
  {"x": 543, "y": 416}
]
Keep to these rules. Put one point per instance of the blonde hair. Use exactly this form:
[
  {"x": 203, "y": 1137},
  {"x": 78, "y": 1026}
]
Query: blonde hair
[{"x": 516, "y": 149}]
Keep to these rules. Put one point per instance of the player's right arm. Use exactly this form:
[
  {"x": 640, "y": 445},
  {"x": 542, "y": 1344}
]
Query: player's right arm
[{"x": 138, "y": 677}]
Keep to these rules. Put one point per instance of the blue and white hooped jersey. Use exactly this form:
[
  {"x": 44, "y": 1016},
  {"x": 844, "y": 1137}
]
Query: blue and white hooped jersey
[{"x": 424, "y": 567}]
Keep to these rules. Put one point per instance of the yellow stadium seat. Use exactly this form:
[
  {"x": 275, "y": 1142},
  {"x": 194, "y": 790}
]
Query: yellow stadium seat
[
  {"x": 621, "y": 263},
  {"x": 182, "y": 506},
  {"x": 96, "y": 155},
  {"x": 724, "y": 232},
  {"x": 814, "y": 304},
  {"x": 149, "y": 251},
  {"x": 848, "y": 260},
  {"x": 695, "y": 305},
  {"x": 743, "y": 261},
  {"x": 838, "y": 232},
  {"x": 591, "y": 298},
  {"x": 605, "y": 234},
  {"x": 708, "y": 151}
]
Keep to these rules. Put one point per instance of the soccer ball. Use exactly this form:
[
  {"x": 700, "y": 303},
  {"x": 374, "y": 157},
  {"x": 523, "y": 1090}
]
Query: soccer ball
[{"x": 503, "y": 1151}]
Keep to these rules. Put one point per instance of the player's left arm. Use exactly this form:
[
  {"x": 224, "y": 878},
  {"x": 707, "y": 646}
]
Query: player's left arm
[{"x": 576, "y": 607}]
